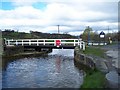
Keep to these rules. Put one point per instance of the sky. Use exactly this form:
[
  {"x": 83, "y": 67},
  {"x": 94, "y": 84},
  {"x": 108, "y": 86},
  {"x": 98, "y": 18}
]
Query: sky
[{"x": 73, "y": 16}]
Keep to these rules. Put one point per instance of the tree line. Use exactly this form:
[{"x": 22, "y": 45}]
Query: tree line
[
  {"x": 12, "y": 34},
  {"x": 87, "y": 35}
]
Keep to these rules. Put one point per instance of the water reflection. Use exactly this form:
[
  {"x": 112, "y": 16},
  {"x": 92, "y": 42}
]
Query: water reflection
[
  {"x": 63, "y": 52},
  {"x": 56, "y": 70},
  {"x": 58, "y": 64}
]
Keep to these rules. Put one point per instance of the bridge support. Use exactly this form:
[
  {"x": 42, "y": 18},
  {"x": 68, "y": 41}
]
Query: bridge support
[
  {"x": 50, "y": 49},
  {"x": 38, "y": 49},
  {"x": 46, "y": 49}
]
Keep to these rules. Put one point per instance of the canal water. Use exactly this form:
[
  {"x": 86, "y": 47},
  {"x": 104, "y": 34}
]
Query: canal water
[{"x": 55, "y": 70}]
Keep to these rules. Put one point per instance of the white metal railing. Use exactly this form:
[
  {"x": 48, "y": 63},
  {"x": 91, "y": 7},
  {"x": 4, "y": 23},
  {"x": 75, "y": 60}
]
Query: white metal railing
[{"x": 73, "y": 42}]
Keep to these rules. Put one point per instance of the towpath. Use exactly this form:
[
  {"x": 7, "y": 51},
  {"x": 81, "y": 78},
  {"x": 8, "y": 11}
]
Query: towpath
[{"x": 112, "y": 52}]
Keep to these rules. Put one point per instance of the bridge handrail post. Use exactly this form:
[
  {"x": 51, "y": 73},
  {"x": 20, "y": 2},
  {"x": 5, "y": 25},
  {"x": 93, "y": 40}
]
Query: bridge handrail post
[
  {"x": 54, "y": 43},
  {"x": 22, "y": 42},
  {"x": 29, "y": 42},
  {"x": 80, "y": 44},
  {"x": 60, "y": 41},
  {"x": 37, "y": 43},
  {"x": 8, "y": 42},
  {"x": 74, "y": 42},
  {"x": 83, "y": 45},
  {"x": 16, "y": 42},
  {"x": 44, "y": 42},
  {"x": 5, "y": 42}
]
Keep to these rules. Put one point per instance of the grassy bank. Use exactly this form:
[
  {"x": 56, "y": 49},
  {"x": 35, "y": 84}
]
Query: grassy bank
[
  {"x": 94, "y": 79},
  {"x": 97, "y": 51}
]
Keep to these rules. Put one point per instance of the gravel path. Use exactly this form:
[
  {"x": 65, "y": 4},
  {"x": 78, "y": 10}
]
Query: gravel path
[{"x": 114, "y": 57}]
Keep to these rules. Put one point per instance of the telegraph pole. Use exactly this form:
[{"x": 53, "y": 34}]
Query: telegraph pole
[
  {"x": 108, "y": 29},
  {"x": 109, "y": 35},
  {"x": 58, "y": 29},
  {"x": 88, "y": 35}
]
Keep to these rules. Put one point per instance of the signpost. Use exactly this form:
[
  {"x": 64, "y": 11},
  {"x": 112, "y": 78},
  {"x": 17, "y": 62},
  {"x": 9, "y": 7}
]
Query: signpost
[
  {"x": 102, "y": 37},
  {"x": 58, "y": 42}
]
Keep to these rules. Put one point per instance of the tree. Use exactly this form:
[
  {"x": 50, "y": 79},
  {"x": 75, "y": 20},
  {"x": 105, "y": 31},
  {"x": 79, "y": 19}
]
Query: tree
[
  {"x": 88, "y": 34},
  {"x": 96, "y": 37}
]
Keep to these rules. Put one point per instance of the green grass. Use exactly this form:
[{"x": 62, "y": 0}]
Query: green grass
[
  {"x": 94, "y": 51},
  {"x": 114, "y": 43},
  {"x": 94, "y": 79}
]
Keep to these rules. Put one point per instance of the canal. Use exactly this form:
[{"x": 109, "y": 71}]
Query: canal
[{"x": 55, "y": 70}]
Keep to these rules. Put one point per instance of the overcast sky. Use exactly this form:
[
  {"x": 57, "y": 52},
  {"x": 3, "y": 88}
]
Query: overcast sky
[{"x": 72, "y": 15}]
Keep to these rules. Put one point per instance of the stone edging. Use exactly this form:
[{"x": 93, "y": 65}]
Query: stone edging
[
  {"x": 99, "y": 63},
  {"x": 91, "y": 61}
]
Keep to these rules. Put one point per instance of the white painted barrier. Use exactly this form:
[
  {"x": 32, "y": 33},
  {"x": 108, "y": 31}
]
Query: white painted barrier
[{"x": 70, "y": 42}]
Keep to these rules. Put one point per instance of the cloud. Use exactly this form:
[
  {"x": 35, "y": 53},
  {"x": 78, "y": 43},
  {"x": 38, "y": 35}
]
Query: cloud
[{"x": 71, "y": 16}]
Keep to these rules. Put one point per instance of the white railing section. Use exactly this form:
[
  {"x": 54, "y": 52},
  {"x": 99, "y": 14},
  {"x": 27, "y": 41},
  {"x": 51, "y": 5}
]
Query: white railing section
[{"x": 72, "y": 42}]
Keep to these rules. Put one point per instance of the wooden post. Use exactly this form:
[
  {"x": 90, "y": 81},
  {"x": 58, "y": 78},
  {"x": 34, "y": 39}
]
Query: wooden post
[
  {"x": 44, "y": 42},
  {"x": 60, "y": 42},
  {"x": 4, "y": 41},
  {"x": 8, "y": 42},
  {"x": 83, "y": 45},
  {"x": 74, "y": 42},
  {"x": 80, "y": 44},
  {"x": 37, "y": 43},
  {"x": 29, "y": 42},
  {"x": 54, "y": 43},
  {"x": 16, "y": 42},
  {"x": 22, "y": 42}
]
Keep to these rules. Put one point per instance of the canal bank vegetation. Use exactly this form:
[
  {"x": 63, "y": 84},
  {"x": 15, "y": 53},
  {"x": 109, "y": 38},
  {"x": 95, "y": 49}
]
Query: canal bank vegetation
[
  {"x": 94, "y": 79},
  {"x": 97, "y": 51}
]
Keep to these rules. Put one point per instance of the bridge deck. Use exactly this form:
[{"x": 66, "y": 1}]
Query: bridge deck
[{"x": 50, "y": 46}]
